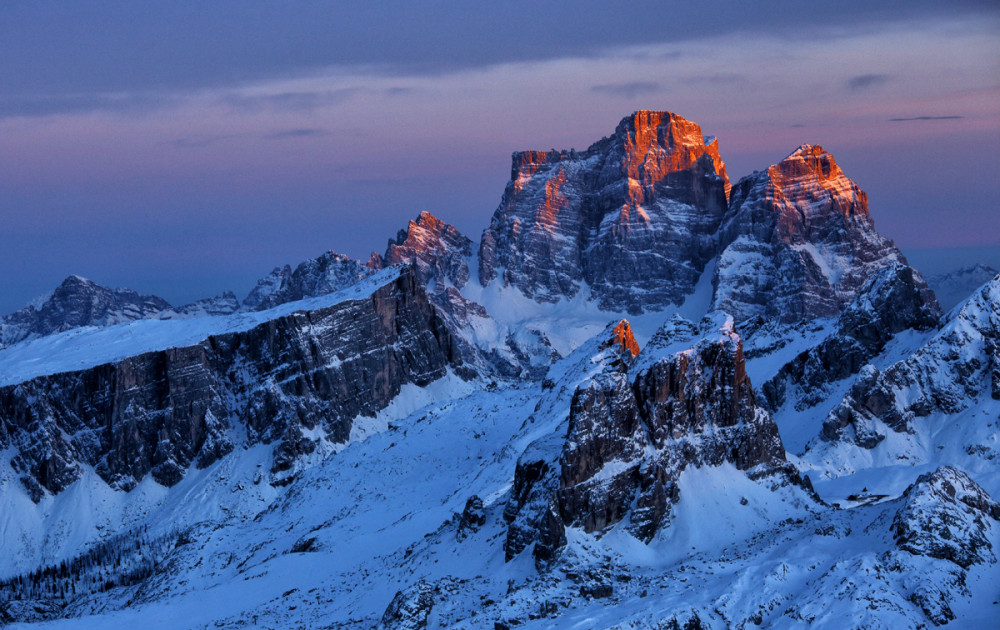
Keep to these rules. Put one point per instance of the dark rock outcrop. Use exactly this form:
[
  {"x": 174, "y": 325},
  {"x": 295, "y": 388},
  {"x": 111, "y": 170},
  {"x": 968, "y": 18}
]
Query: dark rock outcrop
[
  {"x": 473, "y": 517},
  {"x": 956, "y": 368},
  {"x": 633, "y": 217},
  {"x": 945, "y": 515},
  {"x": 891, "y": 301},
  {"x": 631, "y": 435},
  {"x": 798, "y": 241},
  {"x": 410, "y": 608},
  {"x": 160, "y": 412}
]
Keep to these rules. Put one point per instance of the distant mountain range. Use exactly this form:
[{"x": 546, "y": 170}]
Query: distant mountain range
[{"x": 954, "y": 286}]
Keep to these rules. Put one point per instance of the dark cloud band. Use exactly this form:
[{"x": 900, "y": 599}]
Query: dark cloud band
[{"x": 926, "y": 118}]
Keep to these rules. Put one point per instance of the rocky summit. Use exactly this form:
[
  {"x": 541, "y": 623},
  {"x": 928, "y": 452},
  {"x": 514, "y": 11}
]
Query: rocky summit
[
  {"x": 645, "y": 399},
  {"x": 633, "y": 218},
  {"x": 799, "y": 241}
]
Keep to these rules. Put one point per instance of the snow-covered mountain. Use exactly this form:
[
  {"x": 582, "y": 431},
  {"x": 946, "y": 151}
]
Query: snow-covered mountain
[
  {"x": 645, "y": 400},
  {"x": 940, "y": 402},
  {"x": 294, "y": 379},
  {"x": 954, "y": 286},
  {"x": 327, "y": 273},
  {"x": 79, "y": 302}
]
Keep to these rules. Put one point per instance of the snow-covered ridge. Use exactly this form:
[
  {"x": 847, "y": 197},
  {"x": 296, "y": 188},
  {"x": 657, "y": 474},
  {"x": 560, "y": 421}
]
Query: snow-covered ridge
[
  {"x": 86, "y": 347},
  {"x": 938, "y": 404},
  {"x": 297, "y": 382},
  {"x": 328, "y": 273}
]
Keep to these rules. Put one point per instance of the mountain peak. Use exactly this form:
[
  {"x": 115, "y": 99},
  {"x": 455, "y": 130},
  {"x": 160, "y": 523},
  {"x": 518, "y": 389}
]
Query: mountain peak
[
  {"x": 813, "y": 167},
  {"x": 660, "y": 142},
  {"x": 633, "y": 217},
  {"x": 78, "y": 302},
  {"x": 806, "y": 221},
  {"x": 652, "y": 119},
  {"x": 327, "y": 273},
  {"x": 437, "y": 249},
  {"x": 427, "y": 219},
  {"x": 808, "y": 150},
  {"x": 74, "y": 280}
]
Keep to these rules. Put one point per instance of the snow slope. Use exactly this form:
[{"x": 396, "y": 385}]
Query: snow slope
[
  {"x": 924, "y": 406},
  {"x": 81, "y": 348},
  {"x": 378, "y": 521},
  {"x": 381, "y": 517}
]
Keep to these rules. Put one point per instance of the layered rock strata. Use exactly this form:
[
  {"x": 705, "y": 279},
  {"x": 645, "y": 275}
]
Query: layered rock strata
[
  {"x": 798, "y": 241},
  {"x": 279, "y": 382},
  {"x": 633, "y": 217}
]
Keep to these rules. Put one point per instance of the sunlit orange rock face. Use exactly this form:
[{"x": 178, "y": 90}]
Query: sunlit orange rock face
[
  {"x": 547, "y": 215},
  {"x": 798, "y": 241},
  {"x": 635, "y": 220},
  {"x": 622, "y": 336},
  {"x": 809, "y": 182},
  {"x": 632, "y": 217},
  {"x": 660, "y": 143},
  {"x": 526, "y": 164},
  {"x": 437, "y": 250}
]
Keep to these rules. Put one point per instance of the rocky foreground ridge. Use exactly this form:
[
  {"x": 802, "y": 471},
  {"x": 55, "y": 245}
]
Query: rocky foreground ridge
[
  {"x": 633, "y": 428},
  {"x": 159, "y": 413}
]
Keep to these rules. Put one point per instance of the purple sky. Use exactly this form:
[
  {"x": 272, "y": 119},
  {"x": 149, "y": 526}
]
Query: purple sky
[{"x": 183, "y": 150}]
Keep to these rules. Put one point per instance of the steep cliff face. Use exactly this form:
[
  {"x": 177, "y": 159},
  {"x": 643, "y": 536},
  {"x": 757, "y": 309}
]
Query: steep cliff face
[
  {"x": 632, "y": 217},
  {"x": 631, "y": 434},
  {"x": 798, "y": 241},
  {"x": 310, "y": 372}
]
